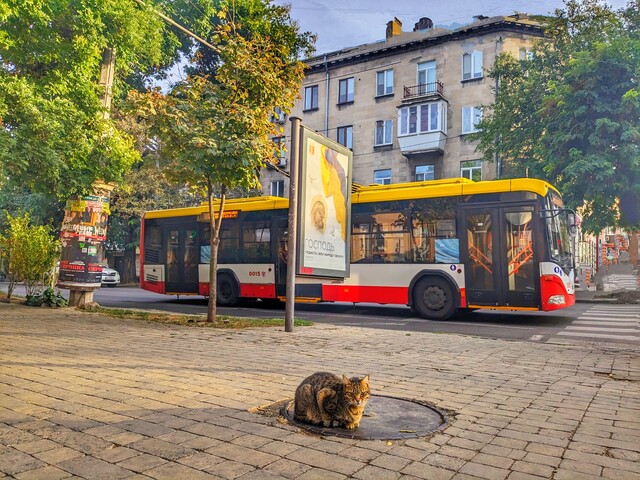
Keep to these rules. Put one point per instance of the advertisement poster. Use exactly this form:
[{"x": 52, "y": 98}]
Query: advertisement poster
[
  {"x": 324, "y": 208},
  {"x": 84, "y": 230}
]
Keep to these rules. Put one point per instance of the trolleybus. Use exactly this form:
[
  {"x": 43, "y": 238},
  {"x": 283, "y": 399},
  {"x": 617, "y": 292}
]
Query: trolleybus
[{"x": 436, "y": 246}]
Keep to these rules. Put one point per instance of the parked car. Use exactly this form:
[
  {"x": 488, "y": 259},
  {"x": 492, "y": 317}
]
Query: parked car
[{"x": 110, "y": 277}]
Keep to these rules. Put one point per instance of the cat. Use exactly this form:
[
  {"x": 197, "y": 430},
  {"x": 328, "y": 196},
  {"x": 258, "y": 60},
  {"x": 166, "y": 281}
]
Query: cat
[{"x": 331, "y": 401}]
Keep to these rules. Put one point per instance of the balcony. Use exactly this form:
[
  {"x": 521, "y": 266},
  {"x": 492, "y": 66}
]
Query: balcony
[
  {"x": 421, "y": 143},
  {"x": 423, "y": 90}
]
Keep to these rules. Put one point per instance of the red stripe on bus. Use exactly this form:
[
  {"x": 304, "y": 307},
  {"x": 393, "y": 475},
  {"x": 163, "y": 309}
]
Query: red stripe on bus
[
  {"x": 355, "y": 293},
  {"x": 257, "y": 290},
  {"x": 157, "y": 287},
  {"x": 551, "y": 285},
  {"x": 463, "y": 298},
  {"x": 247, "y": 290}
]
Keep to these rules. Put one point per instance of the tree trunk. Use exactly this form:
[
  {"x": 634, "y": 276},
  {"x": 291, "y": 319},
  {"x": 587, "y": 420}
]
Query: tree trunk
[{"x": 214, "y": 242}]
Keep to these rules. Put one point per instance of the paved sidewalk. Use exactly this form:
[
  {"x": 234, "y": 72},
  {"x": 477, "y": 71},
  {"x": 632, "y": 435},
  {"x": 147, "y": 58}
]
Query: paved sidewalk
[{"x": 85, "y": 396}]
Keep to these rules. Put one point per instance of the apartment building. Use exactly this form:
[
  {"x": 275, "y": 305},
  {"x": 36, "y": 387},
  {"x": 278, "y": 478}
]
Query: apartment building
[{"x": 406, "y": 105}]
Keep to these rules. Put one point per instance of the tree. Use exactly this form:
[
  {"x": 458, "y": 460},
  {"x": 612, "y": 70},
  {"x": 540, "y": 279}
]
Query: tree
[
  {"x": 30, "y": 253},
  {"x": 215, "y": 126},
  {"x": 571, "y": 113},
  {"x": 53, "y": 138}
]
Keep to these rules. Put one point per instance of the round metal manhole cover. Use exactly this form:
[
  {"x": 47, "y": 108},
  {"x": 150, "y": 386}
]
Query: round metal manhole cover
[{"x": 385, "y": 418}]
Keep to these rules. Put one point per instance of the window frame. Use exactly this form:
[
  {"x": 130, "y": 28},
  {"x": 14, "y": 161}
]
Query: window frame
[
  {"x": 386, "y": 88},
  {"x": 310, "y": 101},
  {"x": 277, "y": 183},
  {"x": 349, "y": 94},
  {"x": 347, "y": 131},
  {"x": 429, "y": 169},
  {"x": 377, "y": 175},
  {"x": 387, "y": 131},
  {"x": 475, "y": 60},
  {"x": 471, "y": 166},
  {"x": 410, "y": 124},
  {"x": 471, "y": 116}
]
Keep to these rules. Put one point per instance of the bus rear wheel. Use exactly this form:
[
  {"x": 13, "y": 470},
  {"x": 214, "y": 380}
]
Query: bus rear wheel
[
  {"x": 433, "y": 299},
  {"x": 227, "y": 291}
]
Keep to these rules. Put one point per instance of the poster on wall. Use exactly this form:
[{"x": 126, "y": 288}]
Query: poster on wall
[
  {"x": 324, "y": 209},
  {"x": 83, "y": 232}
]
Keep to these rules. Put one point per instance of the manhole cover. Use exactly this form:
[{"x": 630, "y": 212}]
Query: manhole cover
[{"x": 385, "y": 418}]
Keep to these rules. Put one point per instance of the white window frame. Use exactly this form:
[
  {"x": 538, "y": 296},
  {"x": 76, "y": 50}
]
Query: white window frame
[
  {"x": 422, "y": 118},
  {"x": 384, "y": 83},
  {"x": 349, "y": 93},
  {"x": 348, "y": 135},
  {"x": 470, "y": 169},
  {"x": 426, "y": 77},
  {"x": 472, "y": 65},
  {"x": 471, "y": 117},
  {"x": 524, "y": 53},
  {"x": 311, "y": 97},
  {"x": 280, "y": 154},
  {"x": 384, "y": 132},
  {"x": 424, "y": 171},
  {"x": 278, "y": 186},
  {"x": 382, "y": 177}
]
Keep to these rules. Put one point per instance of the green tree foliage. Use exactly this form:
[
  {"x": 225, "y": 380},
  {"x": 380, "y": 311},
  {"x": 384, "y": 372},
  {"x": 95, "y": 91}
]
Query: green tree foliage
[
  {"x": 215, "y": 126},
  {"x": 571, "y": 113},
  {"x": 29, "y": 252},
  {"x": 53, "y": 138}
]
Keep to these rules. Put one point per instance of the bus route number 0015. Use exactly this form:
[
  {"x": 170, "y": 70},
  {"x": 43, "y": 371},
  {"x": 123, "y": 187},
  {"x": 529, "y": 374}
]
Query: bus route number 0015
[{"x": 256, "y": 274}]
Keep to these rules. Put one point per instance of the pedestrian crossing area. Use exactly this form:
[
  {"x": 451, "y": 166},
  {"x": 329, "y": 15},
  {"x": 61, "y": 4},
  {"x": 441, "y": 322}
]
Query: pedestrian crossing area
[{"x": 606, "y": 323}]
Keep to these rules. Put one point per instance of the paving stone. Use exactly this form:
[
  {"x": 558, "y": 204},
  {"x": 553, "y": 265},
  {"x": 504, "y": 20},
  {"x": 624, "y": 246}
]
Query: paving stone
[
  {"x": 160, "y": 448},
  {"x": 45, "y": 473},
  {"x": 94, "y": 468},
  {"x": 327, "y": 461},
  {"x": 287, "y": 468},
  {"x": 142, "y": 462},
  {"x": 425, "y": 471},
  {"x": 13, "y": 461},
  {"x": 376, "y": 473},
  {"x": 172, "y": 471}
]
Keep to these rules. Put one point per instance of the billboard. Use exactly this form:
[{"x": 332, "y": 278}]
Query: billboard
[
  {"x": 83, "y": 232},
  {"x": 324, "y": 209}
]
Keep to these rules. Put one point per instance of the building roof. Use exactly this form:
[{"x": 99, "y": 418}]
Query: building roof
[{"x": 415, "y": 40}]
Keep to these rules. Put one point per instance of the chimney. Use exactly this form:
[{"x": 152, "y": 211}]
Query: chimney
[
  {"x": 424, "y": 23},
  {"x": 394, "y": 28}
]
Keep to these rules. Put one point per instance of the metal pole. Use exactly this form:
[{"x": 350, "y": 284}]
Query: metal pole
[{"x": 294, "y": 160}]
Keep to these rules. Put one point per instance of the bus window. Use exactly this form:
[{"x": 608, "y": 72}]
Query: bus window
[
  {"x": 519, "y": 246},
  {"x": 434, "y": 230},
  {"x": 256, "y": 241},
  {"x": 381, "y": 235}
]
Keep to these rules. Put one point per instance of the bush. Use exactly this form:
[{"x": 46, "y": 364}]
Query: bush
[
  {"x": 29, "y": 251},
  {"x": 49, "y": 297}
]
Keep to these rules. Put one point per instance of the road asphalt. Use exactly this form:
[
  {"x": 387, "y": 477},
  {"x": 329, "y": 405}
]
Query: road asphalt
[{"x": 87, "y": 396}]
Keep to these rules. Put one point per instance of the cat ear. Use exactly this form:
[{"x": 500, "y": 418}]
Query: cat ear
[
  {"x": 365, "y": 379},
  {"x": 345, "y": 379}
]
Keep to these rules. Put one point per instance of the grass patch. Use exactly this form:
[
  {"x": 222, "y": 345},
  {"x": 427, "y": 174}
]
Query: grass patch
[{"x": 224, "y": 321}]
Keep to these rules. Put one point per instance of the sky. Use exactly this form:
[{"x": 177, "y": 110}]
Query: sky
[{"x": 347, "y": 23}]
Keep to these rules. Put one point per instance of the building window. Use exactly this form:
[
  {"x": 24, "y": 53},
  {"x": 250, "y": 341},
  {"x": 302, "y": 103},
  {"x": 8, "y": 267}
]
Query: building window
[
  {"x": 425, "y": 172},
  {"x": 345, "y": 136},
  {"x": 428, "y": 117},
  {"x": 525, "y": 54},
  {"x": 280, "y": 150},
  {"x": 472, "y": 65},
  {"x": 427, "y": 77},
  {"x": 383, "y": 177},
  {"x": 277, "y": 188},
  {"x": 345, "y": 90},
  {"x": 384, "y": 132},
  {"x": 471, "y": 116},
  {"x": 384, "y": 83},
  {"x": 311, "y": 97},
  {"x": 471, "y": 169}
]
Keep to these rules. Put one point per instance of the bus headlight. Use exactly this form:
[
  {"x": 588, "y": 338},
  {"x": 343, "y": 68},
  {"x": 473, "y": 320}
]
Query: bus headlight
[{"x": 557, "y": 300}]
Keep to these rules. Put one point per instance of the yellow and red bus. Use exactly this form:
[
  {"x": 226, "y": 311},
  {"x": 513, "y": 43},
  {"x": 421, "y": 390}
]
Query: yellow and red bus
[{"x": 437, "y": 246}]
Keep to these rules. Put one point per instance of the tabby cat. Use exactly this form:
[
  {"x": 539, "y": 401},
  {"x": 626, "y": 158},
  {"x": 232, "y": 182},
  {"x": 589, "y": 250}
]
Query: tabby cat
[{"x": 331, "y": 401}]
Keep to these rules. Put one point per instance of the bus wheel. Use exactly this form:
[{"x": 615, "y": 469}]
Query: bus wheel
[
  {"x": 227, "y": 291},
  {"x": 433, "y": 299}
]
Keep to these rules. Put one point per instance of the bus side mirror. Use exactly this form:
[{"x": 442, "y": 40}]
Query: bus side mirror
[{"x": 573, "y": 224}]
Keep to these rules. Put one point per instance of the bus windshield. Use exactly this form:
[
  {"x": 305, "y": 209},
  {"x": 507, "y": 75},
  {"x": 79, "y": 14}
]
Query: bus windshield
[{"x": 558, "y": 232}]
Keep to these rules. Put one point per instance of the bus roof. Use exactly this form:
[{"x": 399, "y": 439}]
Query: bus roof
[{"x": 375, "y": 193}]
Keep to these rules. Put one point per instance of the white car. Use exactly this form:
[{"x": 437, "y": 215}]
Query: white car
[{"x": 110, "y": 277}]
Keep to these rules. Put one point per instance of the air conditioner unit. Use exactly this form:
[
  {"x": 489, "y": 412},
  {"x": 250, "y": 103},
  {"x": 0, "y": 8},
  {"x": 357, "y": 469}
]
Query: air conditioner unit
[
  {"x": 282, "y": 161},
  {"x": 278, "y": 116}
]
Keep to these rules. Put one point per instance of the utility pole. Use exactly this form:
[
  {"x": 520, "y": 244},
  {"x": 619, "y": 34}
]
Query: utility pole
[{"x": 294, "y": 160}]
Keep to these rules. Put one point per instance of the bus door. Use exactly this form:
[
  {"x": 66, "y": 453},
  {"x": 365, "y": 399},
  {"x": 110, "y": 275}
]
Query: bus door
[
  {"x": 282, "y": 249},
  {"x": 182, "y": 247},
  {"x": 500, "y": 256}
]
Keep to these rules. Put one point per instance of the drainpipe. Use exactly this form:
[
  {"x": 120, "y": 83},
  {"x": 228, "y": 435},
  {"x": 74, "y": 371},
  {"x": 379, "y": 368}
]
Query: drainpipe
[{"x": 326, "y": 98}]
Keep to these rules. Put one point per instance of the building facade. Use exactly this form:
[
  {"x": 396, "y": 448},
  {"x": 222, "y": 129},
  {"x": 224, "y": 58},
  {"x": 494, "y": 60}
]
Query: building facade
[{"x": 405, "y": 105}]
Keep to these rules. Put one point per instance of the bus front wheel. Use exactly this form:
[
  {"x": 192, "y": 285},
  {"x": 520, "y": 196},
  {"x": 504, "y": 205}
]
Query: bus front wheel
[
  {"x": 433, "y": 299},
  {"x": 227, "y": 291}
]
